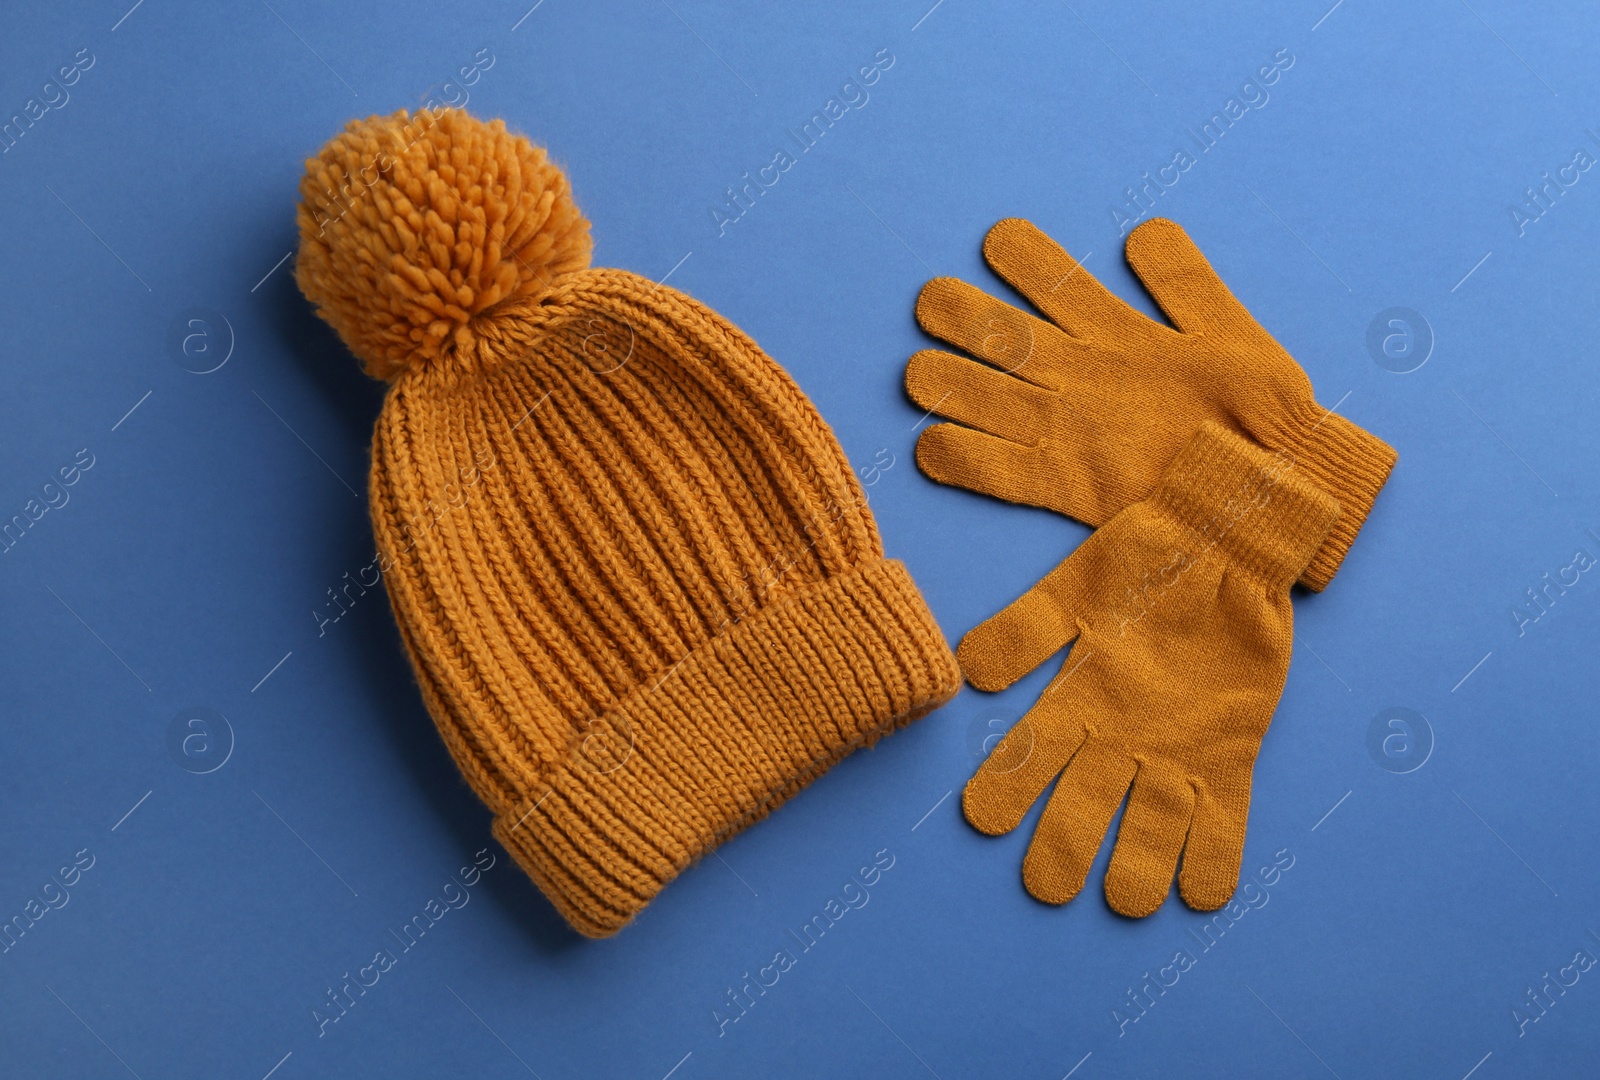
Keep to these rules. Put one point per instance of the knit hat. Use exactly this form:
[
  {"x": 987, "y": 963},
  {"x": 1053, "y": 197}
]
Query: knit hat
[{"x": 637, "y": 579}]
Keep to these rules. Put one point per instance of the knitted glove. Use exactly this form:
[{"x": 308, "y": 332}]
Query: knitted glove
[
  {"x": 1082, "y": 413},
  {"x": 1179, "y": 612}
]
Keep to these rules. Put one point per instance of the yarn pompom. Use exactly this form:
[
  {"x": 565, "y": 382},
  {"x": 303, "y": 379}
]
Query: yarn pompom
[{"x": 416, "y": 231}]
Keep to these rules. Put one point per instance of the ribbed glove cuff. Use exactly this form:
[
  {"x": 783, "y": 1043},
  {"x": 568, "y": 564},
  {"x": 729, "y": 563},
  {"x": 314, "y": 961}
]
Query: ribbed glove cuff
[
  {"x": 1346, "y": 461},
  {"x": 1252, "y": 504}
]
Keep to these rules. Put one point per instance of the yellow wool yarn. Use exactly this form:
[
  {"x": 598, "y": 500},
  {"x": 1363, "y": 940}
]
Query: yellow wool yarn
[
  {"x": 1081, "y": 410},
  {"x": 638, "y": 582},
  {"x": 1178, "y": 613}
]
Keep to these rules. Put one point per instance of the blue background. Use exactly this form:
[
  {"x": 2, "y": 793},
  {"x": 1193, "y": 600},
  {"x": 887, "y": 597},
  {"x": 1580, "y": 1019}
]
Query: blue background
[{"x": 189, "y": 565}]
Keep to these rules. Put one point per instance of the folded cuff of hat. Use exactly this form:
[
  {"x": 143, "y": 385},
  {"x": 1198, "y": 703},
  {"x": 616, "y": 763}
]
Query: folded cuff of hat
[{"x": 727, "y": 735}]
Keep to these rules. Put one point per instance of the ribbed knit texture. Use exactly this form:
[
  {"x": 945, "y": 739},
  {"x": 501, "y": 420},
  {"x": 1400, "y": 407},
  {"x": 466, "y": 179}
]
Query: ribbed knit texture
[
  {"x": 1178, "y": 614},
  {"x": 1081, "y": 413},
  {"x": 637, "y": 579}
]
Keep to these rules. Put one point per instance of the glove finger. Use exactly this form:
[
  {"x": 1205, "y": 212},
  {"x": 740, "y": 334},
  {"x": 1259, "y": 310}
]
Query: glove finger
[
  {"x": 1180, "y": 279},
  {"x": 993, "y": 331},
  {"x": 1026, "y": 632},
  {"x": 1052, "y": 280},
  {"x": 1145, "y": 858},
  {"x": 1215, "y": 849},
  {"x": 961, "y": 457},
  {"x": 977, "y": 395},
  {"x": 1074, "y": 823},
  {"x": 1031, "y": 755}
]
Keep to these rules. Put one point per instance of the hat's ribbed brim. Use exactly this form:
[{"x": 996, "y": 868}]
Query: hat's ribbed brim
[{"x": 732, "y": 731}]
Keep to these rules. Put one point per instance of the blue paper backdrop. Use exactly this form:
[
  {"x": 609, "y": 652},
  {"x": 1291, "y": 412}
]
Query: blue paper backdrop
[{"x": 221, "y": 808}]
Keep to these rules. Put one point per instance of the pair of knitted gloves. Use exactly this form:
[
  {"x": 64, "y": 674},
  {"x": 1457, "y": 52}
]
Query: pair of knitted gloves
[{"x": 1215, "y": 482}]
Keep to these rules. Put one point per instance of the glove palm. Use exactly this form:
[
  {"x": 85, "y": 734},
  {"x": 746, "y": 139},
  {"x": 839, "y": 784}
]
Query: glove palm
[{"x": 1181, "y": 628}]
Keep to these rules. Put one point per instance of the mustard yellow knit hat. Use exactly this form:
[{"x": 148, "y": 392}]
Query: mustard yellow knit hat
[{"x": 638, "y": 581}]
